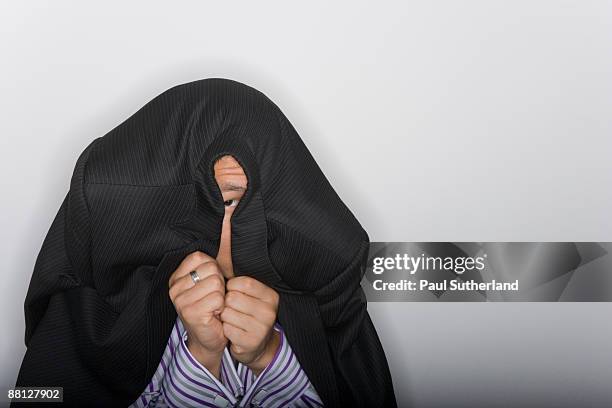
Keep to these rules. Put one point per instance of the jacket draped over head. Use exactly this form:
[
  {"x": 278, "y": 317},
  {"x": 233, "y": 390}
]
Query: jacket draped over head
[{"x": 142, "y": 197}]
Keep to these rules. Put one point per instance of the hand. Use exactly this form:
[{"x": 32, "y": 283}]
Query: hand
[
  {"x": 199, "y": 306},
  {"x": 248, "y": 321}
]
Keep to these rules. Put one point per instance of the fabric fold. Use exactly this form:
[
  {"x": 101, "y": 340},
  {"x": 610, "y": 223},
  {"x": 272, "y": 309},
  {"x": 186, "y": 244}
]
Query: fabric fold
[{"x": 143, "y": 196}]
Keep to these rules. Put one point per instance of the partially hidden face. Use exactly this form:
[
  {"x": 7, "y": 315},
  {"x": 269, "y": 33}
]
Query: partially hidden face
[{"x": 233, "y": 183}]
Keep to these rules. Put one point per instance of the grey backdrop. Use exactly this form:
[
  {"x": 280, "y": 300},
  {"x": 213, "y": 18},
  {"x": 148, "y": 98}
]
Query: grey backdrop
[{"x": 434, "y": 120}]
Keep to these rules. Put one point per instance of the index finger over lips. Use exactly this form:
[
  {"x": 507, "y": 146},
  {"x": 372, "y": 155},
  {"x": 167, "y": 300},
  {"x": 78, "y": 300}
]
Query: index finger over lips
[{"x": 188, "y": 264}]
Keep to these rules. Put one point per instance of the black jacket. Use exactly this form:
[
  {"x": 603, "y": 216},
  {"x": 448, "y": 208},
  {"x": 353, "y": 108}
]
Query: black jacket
[{"x": 143, "y": 196}]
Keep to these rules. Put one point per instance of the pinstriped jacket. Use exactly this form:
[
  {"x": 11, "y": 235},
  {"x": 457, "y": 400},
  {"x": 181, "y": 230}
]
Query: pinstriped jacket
[{"x": 143, "y": 196}]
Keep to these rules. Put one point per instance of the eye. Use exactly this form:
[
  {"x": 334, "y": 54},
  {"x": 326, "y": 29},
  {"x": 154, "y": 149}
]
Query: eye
[{"x": 231, "y": 203}]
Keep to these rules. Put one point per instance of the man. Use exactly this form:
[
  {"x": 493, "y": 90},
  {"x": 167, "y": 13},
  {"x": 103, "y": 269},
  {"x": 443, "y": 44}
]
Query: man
[
  {"x": 142, "y": 198},
  {"x": 268, "y": 374}
]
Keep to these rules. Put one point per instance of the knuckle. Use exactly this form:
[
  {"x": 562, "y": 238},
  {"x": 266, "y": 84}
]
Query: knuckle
[
  {"x": 173, "y": 293},
  {"x": 214, "y": 283},
  {"x": 198, "y": 257},
  {"x": 182, "y": 309},
  {"x": 203, "y": 319},
  {"x": 269, "y": 316},
  {"x": 216, "y": 299},
  {"x": 173, "y": 278},
  {"x": 226, "y": 313},
  {"x": 230, "y": 298},
  {"x": 212, "y": 267},
  {"x": 180, "y": 302}
]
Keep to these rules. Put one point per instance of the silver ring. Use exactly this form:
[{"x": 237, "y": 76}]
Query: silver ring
[{"x": 194, "y": 277}]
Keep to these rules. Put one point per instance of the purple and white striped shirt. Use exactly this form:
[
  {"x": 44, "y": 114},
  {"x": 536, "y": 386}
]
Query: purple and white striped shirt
[{"x": 181, "y": 381}]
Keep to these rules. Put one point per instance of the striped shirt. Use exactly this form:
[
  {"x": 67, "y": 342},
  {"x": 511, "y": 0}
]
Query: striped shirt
[{"x": 181, "y": 381}]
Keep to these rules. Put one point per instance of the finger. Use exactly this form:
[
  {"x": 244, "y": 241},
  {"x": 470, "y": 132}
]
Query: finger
[
  {"x": 186, "y": 282},
  {"x": 251, "y": 306},
  {"x": 236, "y": 335},
  {"x": 189, "y": 263},
  {"x": 212, "y": 283},
  {"x": 252, "y": 287},
  {"x": 241, "y": 320},
  {"x": 203, "y": 310},
  {"x": 207, "y": 269}
]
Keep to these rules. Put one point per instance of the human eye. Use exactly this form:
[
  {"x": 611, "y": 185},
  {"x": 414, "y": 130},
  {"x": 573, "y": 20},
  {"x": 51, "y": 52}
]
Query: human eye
[{"x": 231, "y": 203}]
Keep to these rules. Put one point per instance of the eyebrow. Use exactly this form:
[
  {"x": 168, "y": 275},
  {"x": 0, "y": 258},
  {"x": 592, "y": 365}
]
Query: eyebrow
[{"x": 229, "y": 186}]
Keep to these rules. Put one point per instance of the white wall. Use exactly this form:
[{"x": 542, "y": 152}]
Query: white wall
[{"x": 467, "y": 121}]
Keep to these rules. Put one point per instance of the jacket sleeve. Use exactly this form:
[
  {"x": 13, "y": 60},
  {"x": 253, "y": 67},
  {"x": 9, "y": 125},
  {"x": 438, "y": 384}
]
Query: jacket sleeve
[
  {"x": 52, "y": 273},
  {"x": 55, "y": 271},
  {"x": 354, "y": 344},
  {"x": 52, "y": 357}
]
